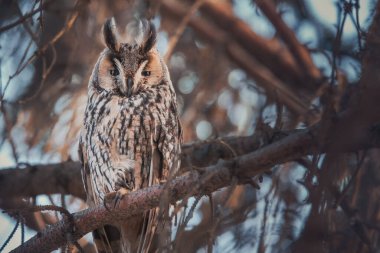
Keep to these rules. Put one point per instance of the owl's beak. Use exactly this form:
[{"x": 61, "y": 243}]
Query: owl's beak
[
  {"x": 129, "y": 85},
  {"x": 128, "y": 90}
]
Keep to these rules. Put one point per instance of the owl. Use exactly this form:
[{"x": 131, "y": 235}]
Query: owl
[{"x": 131, "y": 136}]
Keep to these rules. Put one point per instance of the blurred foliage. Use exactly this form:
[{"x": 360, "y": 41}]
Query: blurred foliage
[{"x": 48, "y": 49}]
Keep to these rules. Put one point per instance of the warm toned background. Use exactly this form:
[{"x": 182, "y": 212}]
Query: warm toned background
[{"x": 268, "y": 70}]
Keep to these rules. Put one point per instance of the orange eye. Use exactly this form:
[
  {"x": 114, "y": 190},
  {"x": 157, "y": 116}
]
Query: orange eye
[{"x": 145, "y": 73}]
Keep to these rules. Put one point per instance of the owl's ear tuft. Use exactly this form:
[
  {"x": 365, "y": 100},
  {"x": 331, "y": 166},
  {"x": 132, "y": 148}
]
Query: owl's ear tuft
[
  {"x": 111, "y": 35},
  {"x": 150, "y": 37}
]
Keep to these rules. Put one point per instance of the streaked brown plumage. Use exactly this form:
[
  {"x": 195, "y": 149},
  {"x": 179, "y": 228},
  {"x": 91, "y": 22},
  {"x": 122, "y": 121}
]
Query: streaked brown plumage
[{"x": 131, "y": 136}]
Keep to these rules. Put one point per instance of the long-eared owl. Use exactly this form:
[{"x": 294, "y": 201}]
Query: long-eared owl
[{"x": 131, "y": 137}]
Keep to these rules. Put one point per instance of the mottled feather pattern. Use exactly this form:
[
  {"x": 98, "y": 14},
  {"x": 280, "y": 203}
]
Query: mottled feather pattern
[
  {"x": 131, "y": 127},
  {"x": 131, "y": 137}
]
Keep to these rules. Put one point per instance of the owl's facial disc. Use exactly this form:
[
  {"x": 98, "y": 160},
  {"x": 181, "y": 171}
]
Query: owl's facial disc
[
  {"x": 128, "y": 61},
  {"x": 132, "y": 62}
]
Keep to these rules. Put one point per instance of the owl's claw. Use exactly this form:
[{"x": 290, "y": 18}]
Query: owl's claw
[
  {"x": 127, "y": 180},
  {"x": 119, "y": 196},
  {"x": 105, "y": 203},
  {"x": 114, "y": 198}
]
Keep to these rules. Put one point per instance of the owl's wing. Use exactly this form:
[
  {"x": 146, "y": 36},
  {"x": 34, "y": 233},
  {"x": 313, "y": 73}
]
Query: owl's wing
[
  {"x": 86, "y": 176},
  {"x": 107, "y": 238},
  {"x": 151, "y": 217},
  {"x": 164, "y": 165}
]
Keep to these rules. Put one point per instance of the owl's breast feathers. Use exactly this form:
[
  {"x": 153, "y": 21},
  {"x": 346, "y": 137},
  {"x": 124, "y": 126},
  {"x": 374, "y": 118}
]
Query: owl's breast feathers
[{"x": 129, "y": 133}]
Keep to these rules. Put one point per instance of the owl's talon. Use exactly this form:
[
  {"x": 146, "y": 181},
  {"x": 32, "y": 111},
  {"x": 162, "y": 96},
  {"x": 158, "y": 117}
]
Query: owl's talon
[
  {"x": 117, "y": 199},
  {"x": 105, "y": 205},
  {"x": 108, "y": 199},
  {"x": 114, "y": 198},
  {"x": 127, "y": 180}
]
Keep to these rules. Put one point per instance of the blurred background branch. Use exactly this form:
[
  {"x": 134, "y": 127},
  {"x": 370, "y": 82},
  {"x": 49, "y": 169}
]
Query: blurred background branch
[{"x": 289, "y": 86}]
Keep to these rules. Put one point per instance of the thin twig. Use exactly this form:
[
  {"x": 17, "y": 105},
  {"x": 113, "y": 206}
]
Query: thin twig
[
  {"x": 10, "y": 236},
  {"x": 55, "y": 208},
  {"x": 45, "y": 73},
  {"x": 8, "y": 128},
  {"x": 22, "y": 230},
  {"x": 18, "y": 70},
  {"x": 233, "y": 152},
  {"x": 356, "y": 22},
  {"x": 300, "y": 53},
  {"x": 219, "y": 217},
  {"x": 40, "y": 52},
  {"x": 181, "y": 28},
  {"x": 26, "y": 25},
  {"x": 352, "y": 179},
  {"x": 185, "y": 219},
  {"x": 337, "y": 42},
  {"x": 24, "y": 17}
]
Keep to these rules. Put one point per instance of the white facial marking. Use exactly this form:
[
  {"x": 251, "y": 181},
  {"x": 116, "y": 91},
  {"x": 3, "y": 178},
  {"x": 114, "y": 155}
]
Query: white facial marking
[
  {"x": 137, "y": 77},
  {"x": 119, "y": 66}
]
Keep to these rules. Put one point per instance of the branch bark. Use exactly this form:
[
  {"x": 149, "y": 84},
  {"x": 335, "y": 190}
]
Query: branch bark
[
  {"x": 206, "y": 181},
  {"x": 65, "y": 177},
  {"x": 318, "y": 139},
  {"x": 25, "y": 17},
  {"x": 300, "y": 52},
  {"x": 195, "y": 182},
  {"x": 256, "y": 55},
  {"x": 34, "y": 180}
]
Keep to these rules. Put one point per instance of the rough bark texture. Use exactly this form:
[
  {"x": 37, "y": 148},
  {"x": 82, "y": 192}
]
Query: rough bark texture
[
  {"x": 66, "y": 177},
  {"x": 283, "y": 69},
  {"x": 201, "y": 181},
  {"x": 42, "y": 179}
]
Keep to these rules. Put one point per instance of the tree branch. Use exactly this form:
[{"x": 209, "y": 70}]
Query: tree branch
[
  {"x": 201, "y": 181},
  {"x": 24, "y": 17},
  {"x": 206, "y": 181},
  {"x": 66, "y": 177},
  {"x": 300, "y": 52},
  {"x": 281, "y": 79},
  {"x": 34, "y": 180}
]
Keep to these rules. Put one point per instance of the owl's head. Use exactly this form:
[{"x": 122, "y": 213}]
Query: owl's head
[{"x": 131, "y": 63}]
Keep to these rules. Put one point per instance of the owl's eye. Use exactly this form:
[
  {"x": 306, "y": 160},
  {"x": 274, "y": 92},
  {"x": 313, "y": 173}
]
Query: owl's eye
[
  {"x": 114, "y": 72},
  {"x": 145, "y": 73}
]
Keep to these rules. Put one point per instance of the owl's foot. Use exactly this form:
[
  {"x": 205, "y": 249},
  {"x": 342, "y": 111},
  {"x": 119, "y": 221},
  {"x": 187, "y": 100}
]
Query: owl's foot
[
  {"x": 113, "y": 198},
  {"x": 125, "y": 179}
]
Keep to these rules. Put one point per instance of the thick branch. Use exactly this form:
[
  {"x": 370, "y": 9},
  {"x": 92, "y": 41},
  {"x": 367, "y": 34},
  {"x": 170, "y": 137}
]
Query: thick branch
[
  {"x": 363, "y": 108},
  {"x": 269, "y": 52},
  {"x": 65, "y": 177},
  {"x": 249, "y": 51},
  {"x": 300, "y": 53},
  {"x": 42, "y": 179},
  {"x": 202, "y": 181},
  {"x": 193, "y": 183}
]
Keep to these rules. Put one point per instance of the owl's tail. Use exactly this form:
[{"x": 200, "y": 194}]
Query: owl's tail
[
  {"x": 136, "y": 234},
  {"x": 107, "y": 239}
]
